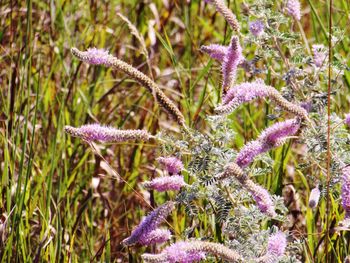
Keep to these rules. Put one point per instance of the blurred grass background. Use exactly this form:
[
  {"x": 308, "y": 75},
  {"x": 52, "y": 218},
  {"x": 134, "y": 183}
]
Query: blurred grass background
[{"x": 59, "y": 202}]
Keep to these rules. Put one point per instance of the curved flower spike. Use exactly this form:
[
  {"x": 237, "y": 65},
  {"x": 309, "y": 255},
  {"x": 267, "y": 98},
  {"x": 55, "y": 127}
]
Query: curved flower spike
[
  {"x": 95, "y": 56},
  {"x": 271, "y": 137},
  {"x": 246, "y": 92},
  {"x": 150, "y": 223}
]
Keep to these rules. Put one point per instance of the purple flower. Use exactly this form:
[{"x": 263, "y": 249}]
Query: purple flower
[
  {"x": 149, "y": 223},
  {"x": 261, "y": 197},
  {"x": 193, "y": 251},
  {"x": 215, "y": 51},
  {"x": 277, "y": 132},
  {"x": 240, "y": 94},
  {"x": 96, "y": 56},
  {"x": 230, "y": 63},
  {"x": 156, "y": 236},
  {"x": 345, "y": 191},
  {"x": 320, "y": 55},
  {"x": 166, "y": 183},
  {"x": 97, "y": 132},
  {"x": 226, "y": 13},
  {"x": 172, "y": 164},
  {"x": 314, "y": 197},
  {"x": 293, "y": 9},
  {"x": 178, "y": 252},
  {"x": 277, "y": 244},
  {"x": 347, "y": 119},
  {"x": 271, "y": 137},
  {"x": 307, "y": 105},
  {"x": 248, "y": 153},
  {"x": 256, "y": 27}
]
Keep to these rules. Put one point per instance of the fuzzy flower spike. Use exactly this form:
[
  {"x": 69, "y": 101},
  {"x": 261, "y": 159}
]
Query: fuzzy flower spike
[
  {"x": 97, "y": 132},
  {"x": 293, "y": 9},
  {"x": 101, "y": 57},
  {"x": 172, "y": 164},
  {"x": 347, "y": 119},
  {"x": 215, "y": 51},
  {"x": 143, "y": 232},
  {"x": 271, "y": 137},
  {"x": 232, "y": 59},
  {"x": 345, "y": 192},
  {"x": 226, "y": 13},
  {"x": 276, "y": 247},
  {"x": 248, "y": 91},
  {"x": 320, "y": 55},
  {"x": 166, "y": 183},
  {"x": 260, "y": 195},
  {"x": 192, "y": 251}
]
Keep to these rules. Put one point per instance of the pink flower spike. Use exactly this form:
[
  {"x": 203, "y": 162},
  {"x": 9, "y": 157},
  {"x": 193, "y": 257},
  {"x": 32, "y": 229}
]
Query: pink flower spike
[
  {"x": 320, "y": 55},
  {"x": 347, "y": 119},
  {"x": 277, "y": 244},
  {"x": 261, "y": 197},
  {"x": 280, "y": 130},
  {"x": 231, "y": 61},
  {"x": 172, "y": 164},
  {"x": 96, "y": 56},
  {"x": 293, "y": 9},
  {"x": 97, "y": 132},
  {"x": 215, "y": 51},
  {"x": 248, "y": 153},
  {"x": 240, "y": 94},
  {"x": 149, "y": 223},
  {"x": 345, "y": 191},
  {"x": 166, "y": 183},
  {"x": 156, "y": 236}
]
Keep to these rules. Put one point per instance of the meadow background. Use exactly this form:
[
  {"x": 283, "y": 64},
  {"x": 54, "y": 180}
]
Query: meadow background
[{"x": 60, "y": 202}]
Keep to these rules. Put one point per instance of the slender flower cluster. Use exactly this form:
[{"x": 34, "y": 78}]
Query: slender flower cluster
[
  {"x": 246, "y": 92},
  {"x": 94, "y": 56},
  {"x": 142, "y": 233},
  {"x": 96, "y": 132},
  {"x": 226, "y": 12},
  {"x": 320, "y": 55},
  {"x": 347, "y": 119},
  {"x": 172, "y": 164},
  {"x": 240, "y": 94},
  {"x": 232, "y": 59},
  {"x": 277, "y": 244},
  {"x": 248, "y": 153},
  {"x": 154, "y": 237},
  {"x": 191, "y": 251},
  {"x": 260, "y": 195},
  {"x": 345, "y": 191},
  {"x": 215, "y": 51},
  {"x": 293, "y": 9},
  {"x": 166, "y": 183},
  {"x": 314, "y": 197},
  {"x": 256, "y": 28},
  {"x": 271, "y": 137}
]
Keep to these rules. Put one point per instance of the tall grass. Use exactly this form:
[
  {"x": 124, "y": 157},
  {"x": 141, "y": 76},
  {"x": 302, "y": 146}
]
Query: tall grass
[{"x": 60, "y": 201}]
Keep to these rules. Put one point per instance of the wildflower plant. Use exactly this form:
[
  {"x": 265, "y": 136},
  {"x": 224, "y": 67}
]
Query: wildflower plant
[{"x": 229, "y": 213}]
